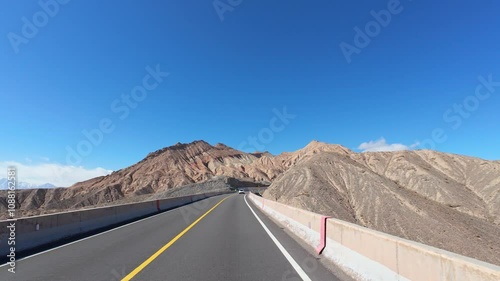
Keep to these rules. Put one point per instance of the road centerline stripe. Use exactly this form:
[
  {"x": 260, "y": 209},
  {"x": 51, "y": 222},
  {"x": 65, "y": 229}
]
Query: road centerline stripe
[
  {"x": 90, "y": 237},
  {"x": 166, "y": 246},
  {"x": 287, "y": 255}
]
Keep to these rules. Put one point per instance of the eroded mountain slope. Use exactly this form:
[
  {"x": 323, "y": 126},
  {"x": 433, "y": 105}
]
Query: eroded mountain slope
[{"x": 443, "y": 200}]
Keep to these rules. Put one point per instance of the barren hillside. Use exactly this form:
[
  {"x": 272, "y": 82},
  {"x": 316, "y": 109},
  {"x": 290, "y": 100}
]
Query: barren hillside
[
  {"x": 160, "y": 171},
  {"x": 164, "y": 170},
  {"x": 448, "y": 201}
]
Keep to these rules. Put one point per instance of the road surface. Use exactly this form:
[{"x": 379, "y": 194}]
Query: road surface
[{"x": 219, "y": 238}]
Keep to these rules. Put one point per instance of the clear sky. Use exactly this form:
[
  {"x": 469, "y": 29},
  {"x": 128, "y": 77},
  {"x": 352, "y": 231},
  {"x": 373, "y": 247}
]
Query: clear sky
[{"x": 370, "y": 75}]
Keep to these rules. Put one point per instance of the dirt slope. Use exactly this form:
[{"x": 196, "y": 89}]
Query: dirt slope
[{"x": 447, "y": 201}]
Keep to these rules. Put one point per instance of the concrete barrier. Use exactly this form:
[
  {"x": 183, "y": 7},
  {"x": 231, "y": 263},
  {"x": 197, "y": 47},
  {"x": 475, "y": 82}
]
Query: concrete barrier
[
  {"x": 36, "y": 231},
  {"x": 175, "y": 202},
  {"x": 367, "y": 254}
]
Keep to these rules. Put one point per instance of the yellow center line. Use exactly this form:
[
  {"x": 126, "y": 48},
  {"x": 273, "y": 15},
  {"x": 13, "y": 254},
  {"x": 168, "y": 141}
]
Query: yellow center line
[{"x": 166, "y": 246}]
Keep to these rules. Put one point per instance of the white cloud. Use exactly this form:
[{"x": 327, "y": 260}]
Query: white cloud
[
  {"x": 382, "y": 145},
  {"x": 56, "y": 174}
]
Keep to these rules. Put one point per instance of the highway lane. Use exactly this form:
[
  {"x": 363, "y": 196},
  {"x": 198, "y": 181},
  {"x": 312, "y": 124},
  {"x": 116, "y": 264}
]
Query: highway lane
[
  {"x": 207, "y": 240},
  {"x": 111, "y": 255}
]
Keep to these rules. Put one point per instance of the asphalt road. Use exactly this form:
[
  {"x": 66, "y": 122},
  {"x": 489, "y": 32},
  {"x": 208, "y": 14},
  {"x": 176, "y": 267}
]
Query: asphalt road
[{"x": 209, "y": 240}]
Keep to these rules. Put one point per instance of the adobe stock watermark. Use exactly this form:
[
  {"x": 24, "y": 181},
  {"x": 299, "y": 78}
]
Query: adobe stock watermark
[
  {"x": 363, "y": 37},
  {"x": 31, "y": 27},
  {"x": 193, "y": 211},
  {"x": 11, "y": 211},
  {"x": 309, "y": 265},
  {"x": 121, "y": 107},
  {"x": 266, "y": 135},
  {"x": 458, "y": 112},
  {"x": 223, "y": 6},
  {"x": 118, "y": 275}
]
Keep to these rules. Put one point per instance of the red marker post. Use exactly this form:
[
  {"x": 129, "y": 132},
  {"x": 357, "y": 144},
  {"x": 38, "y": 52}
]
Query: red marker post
[{"x": 322, "y": 242}]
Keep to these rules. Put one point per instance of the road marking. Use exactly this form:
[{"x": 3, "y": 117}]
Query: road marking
[
  {"x": 166, "y": 246},
  {"x": 294, "y": 264},
  {"x": 92, "y": 236}
]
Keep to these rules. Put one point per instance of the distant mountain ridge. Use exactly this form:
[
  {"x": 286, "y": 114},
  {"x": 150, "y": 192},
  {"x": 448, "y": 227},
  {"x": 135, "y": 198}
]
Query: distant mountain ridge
[{"x": 24, "y": 185}]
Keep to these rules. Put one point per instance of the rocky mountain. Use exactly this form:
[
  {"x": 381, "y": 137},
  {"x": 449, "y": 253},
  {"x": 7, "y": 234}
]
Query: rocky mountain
[
  {"x": 160, "y": 171},
  {"x": 179, "y": 165},
  {"x": 165, "y": 170},
  {"x": 445, "y": 200}
]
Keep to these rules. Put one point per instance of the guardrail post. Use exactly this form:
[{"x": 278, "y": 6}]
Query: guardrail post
[{"x": 322, "y": 242}]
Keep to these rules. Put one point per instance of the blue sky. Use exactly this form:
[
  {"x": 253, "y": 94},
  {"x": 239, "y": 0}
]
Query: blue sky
[{"x": 412, "y": 82}]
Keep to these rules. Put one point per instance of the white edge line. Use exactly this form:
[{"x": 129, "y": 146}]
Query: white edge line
[
  {"x": 95, "y": 235},
  {"x": 294, "y": 264}
]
